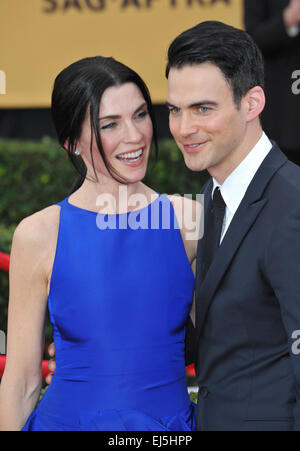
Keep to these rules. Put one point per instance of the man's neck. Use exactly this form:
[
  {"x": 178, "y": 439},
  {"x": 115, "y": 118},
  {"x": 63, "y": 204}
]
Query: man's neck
[{"x": 221, "y": 171}]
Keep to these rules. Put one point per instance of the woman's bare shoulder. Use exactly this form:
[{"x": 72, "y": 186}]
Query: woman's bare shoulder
[
  {"x": 186, "y": 208},
  {"x": 189, "y": 216},
  {"x": 38, "y": 228},
  {"x": 33, "y": 247},
  {"x": 186, "y": 200}
]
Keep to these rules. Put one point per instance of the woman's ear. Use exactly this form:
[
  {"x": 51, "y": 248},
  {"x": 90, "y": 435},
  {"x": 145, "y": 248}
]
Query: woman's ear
[
  {"x": 77, "y": 150},
  {"x": 66, "y": 145},
  {"x": 255, "y": 100}
]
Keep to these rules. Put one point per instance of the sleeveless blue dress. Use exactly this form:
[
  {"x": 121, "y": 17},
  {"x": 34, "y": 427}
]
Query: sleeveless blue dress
[{"x": 120, "y": 295}]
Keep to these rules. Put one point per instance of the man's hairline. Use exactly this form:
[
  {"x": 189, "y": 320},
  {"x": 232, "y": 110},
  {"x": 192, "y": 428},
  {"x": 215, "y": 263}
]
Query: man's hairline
[{"x": 212, "y": 63}]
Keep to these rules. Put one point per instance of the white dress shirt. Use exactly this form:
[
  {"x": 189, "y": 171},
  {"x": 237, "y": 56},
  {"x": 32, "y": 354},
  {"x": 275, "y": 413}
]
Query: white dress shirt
[{"x": 236, "y": 184}]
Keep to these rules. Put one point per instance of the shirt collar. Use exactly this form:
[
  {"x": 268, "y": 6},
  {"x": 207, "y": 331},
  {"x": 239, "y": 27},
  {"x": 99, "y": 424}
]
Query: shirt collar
[{"x": 236, "y": 184}]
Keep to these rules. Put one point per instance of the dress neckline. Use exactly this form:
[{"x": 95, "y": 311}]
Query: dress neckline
[{"x": 111, "y": 214}]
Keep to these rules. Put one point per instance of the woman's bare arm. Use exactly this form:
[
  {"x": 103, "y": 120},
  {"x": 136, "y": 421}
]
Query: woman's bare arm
[
  {"x": 31, "y": 257},
  {"x": 189, "y": 217}
]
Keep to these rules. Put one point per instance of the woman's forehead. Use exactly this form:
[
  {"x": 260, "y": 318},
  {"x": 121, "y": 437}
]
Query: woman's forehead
[{"x": 119, "y": 99}]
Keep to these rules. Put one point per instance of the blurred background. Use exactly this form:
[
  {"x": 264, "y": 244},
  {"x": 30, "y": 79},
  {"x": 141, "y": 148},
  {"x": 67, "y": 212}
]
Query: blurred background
[{"x": 38, "y": 38}]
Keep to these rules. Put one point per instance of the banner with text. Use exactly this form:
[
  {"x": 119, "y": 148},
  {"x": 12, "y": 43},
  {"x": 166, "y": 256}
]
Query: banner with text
[{"x": 38, "y": 38}]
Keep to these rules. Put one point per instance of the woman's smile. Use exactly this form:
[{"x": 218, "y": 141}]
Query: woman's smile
[{"x": 132, "y": 158}]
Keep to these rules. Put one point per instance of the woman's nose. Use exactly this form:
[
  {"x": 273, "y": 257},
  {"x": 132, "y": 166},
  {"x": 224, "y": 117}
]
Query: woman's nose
[{"x": 132, "y": 133}]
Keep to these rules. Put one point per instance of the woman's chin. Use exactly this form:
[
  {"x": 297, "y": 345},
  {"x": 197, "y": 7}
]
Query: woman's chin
[
  {"x": 131, "y": 179},
  {"x": 132, "y": 174}
]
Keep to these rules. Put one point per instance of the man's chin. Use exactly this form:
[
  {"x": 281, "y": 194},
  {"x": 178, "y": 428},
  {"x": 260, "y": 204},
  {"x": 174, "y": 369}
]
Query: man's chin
[{"x": 195, "y": 165}]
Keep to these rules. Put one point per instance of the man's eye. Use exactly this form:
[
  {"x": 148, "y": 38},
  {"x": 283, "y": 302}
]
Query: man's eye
[
  {"x": 203, "y": 109},
  {"x": 174, "y": 111}
]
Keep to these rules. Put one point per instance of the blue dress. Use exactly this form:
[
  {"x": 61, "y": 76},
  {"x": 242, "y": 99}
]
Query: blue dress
[{"x": 120, "y": 295}]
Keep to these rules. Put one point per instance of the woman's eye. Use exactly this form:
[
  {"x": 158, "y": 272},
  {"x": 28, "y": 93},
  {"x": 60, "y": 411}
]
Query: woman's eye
[
  {"x": 142, "y": 114},
  {"x": 108, "y": 126}
]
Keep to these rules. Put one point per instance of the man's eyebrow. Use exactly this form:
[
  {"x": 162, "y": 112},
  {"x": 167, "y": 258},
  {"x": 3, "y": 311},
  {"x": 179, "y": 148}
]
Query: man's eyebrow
[
  {"x": 170, "y": 105},
  {"x": 203, "y": 103},
  {"x": 117, "y": 116},
  {"x": 196, "y": 104}
]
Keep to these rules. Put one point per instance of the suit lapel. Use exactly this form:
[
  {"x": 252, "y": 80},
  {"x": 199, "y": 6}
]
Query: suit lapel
[
  {"x": 200, "y": 267},
  {"x": 249, "y": 209}
]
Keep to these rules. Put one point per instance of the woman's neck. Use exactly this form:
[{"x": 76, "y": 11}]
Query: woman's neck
[{"x": 112, "y": 195}]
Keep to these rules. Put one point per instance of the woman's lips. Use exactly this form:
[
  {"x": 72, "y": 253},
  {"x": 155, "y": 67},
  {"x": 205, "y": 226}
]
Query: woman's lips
[{"x": 132, "y": 158}]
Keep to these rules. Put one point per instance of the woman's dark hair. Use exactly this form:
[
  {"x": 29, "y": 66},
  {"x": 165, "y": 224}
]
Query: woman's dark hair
[
  {"x": 232, "y": 50},
  {"x": 80, "y": 86}
]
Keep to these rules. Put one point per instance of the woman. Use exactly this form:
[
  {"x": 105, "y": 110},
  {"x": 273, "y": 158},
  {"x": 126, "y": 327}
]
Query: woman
[{"x": 118, "y": 282}]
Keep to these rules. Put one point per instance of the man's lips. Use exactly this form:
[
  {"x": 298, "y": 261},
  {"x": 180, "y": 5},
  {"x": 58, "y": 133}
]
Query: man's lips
[{"x": 193, "y": 147}]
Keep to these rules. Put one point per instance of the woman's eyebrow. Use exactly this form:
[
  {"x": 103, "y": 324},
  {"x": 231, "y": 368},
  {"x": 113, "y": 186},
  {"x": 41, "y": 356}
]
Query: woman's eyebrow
[
  {"x": 117, "y": 116},
  {"x": 140, "y": 107}
]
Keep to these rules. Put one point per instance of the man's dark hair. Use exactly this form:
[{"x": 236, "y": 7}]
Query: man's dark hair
[{"x": 232, "y": 50}]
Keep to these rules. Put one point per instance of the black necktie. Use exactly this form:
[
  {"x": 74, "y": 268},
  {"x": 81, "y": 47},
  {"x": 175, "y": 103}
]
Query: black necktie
[{"x": 214, "y": 223}]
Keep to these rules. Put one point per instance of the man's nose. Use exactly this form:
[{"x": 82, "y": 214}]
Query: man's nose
[{"x": 187, "y": 126}]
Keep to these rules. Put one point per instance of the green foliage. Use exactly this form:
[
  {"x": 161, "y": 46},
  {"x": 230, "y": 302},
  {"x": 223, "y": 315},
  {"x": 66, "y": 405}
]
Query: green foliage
[
  {"x": 33, "y": 175},
  {"x": 36, "y": 174},
  {"x": 194, "y": 396}
]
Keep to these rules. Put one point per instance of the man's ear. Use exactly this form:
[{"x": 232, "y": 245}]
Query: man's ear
[{"x": 255, "y": 102}]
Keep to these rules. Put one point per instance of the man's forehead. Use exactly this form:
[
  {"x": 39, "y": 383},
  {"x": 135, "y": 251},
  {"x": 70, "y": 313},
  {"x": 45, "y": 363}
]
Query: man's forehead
[
  {"x": 196, "y": 83},
  {"x": 204, "y": 69}
]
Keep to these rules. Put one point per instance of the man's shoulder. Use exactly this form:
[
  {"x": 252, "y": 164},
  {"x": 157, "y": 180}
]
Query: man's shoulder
[
  {"x": 283, "y": 190},
  {"x": 289, "y": 176}
]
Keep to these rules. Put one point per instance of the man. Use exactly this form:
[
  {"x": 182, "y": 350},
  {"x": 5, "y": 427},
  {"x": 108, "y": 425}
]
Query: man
[
  {"x": 248, "y": 290},
  {"x": 275, "y": 27}
]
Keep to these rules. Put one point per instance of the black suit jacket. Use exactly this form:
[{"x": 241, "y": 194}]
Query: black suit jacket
[
  {"x": 264, "y": 22},
  {"x": 248, "y": 308}
]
